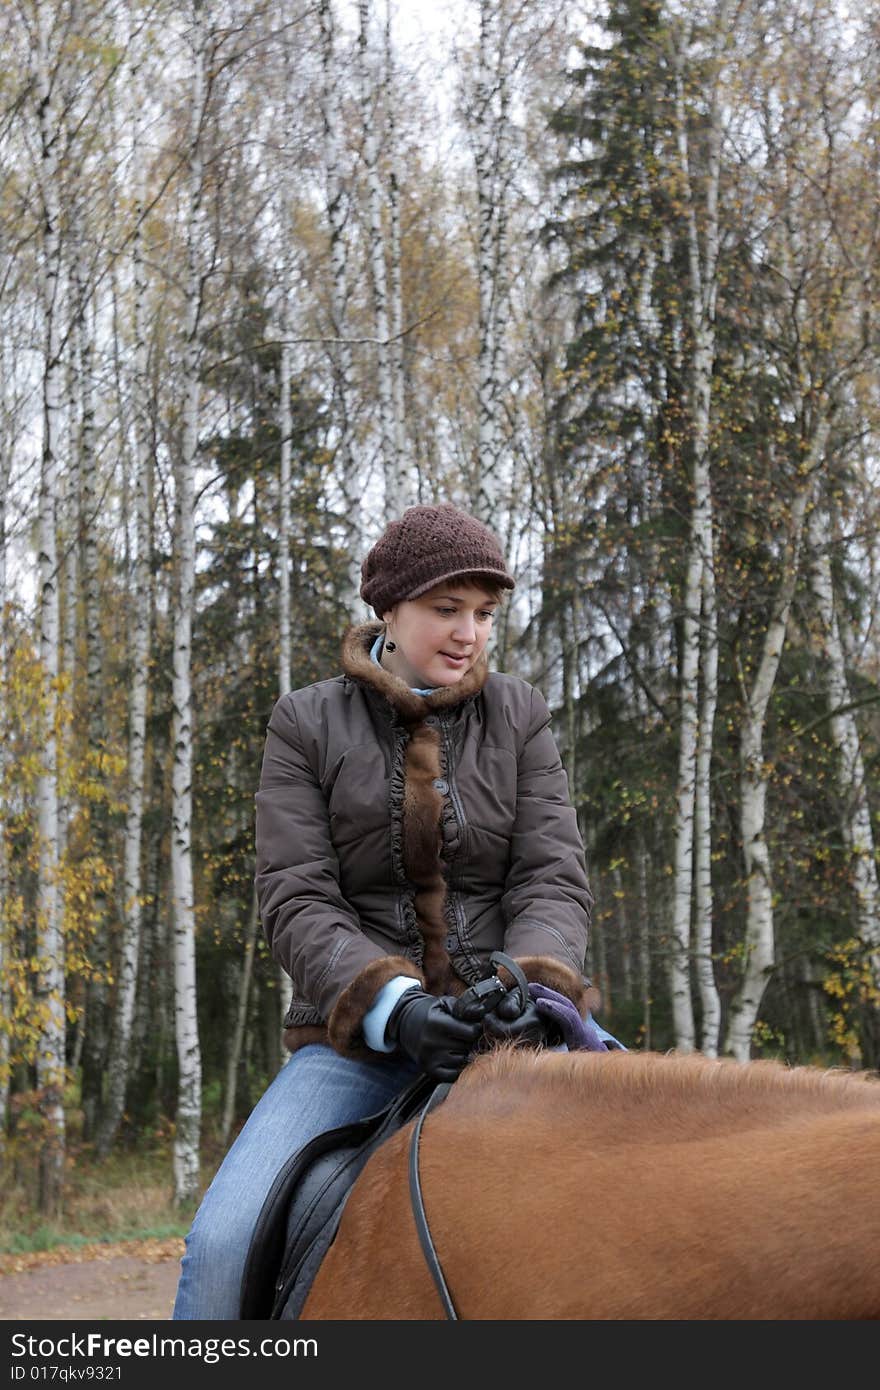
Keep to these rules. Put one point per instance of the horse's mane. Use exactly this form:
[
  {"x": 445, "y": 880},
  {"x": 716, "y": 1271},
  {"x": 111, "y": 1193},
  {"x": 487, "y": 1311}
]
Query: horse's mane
[{"x": 689, "y": 1091}]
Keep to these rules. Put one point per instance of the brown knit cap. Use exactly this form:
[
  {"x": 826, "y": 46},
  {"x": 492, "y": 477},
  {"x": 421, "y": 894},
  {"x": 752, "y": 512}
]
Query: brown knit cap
[{"x": 424, "y": 547}]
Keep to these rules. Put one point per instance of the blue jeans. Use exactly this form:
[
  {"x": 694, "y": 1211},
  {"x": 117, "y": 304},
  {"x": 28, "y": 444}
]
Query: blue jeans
[{"x": 317, "y": 1090}]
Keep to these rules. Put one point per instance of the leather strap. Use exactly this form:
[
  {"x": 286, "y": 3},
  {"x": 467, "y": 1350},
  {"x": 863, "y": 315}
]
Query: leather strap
[{"x": 439, "y": 1094}]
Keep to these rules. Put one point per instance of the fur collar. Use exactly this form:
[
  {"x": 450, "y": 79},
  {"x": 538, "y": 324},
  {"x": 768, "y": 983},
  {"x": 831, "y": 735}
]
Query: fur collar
[{"x": 359, "y": 665}]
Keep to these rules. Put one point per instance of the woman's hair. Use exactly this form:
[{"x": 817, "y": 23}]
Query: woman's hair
[
  {"x": 476, "y": 580},
  {"x": 495, "y": 590},
  {"x": 479, "y": 581}
]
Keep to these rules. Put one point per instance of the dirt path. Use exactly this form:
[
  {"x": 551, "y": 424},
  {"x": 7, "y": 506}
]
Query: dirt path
[{"x": 117, "y": 1283}]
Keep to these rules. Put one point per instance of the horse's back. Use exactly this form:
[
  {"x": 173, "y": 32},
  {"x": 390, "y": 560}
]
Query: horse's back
[{"x": 623, "y": 1186}]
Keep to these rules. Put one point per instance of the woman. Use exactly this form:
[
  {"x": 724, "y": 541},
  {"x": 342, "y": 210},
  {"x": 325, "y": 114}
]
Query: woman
[{"x": 412, "y": 817}]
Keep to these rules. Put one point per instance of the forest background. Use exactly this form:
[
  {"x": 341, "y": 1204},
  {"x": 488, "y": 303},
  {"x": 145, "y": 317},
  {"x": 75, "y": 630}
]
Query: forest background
[{"x": 606, "y": 275}]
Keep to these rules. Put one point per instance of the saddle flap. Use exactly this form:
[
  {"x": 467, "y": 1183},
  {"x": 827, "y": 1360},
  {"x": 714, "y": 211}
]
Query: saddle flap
[{"x": 307, "y": 1193}]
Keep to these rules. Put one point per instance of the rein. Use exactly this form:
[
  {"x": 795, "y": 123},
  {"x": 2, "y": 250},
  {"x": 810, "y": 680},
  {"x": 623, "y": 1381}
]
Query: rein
[
  {"x": 481, "y": 997},
  {"x": 415, "y": 1191}
]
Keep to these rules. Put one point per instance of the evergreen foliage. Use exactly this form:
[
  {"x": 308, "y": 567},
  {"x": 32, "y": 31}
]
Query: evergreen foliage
[{"x": 622, "y": 441}]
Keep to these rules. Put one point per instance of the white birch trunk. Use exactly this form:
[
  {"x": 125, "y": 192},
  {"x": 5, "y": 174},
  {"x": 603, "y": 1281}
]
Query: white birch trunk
[
  {"x": 139, "y": 635},
  {"x": 95, "y": 1046},
  {"x": 5, "y": 882},
  {"x": 499, "y": 487},
  {"x": 489, "y": 89},
  {"x": 704, "y": 279},
  {"x": 395, "y": 265},
  {"x": 68, "y": 578},
  {"x": 699, "y": 636},
  {"x": 709, "y": 996},
  {"x": 754, "y": 777},
  {"x": 683, "y": 854},
  {"x": 285, "y": 418},
  {"x": 391, "y": 463},
  {"x": 86, "y": 469},
  {"x": 50, "y": 933},
  {"x": 336, "y": 216},
  {"x": 852, "y": 782},
  {"x": 285, "y": 429},
  {"x": 189, "y": 1099},
  {"x": 285, "y": 986},
  {"x": 645, "y": 311},
  {"x": 285, "y": 654}
]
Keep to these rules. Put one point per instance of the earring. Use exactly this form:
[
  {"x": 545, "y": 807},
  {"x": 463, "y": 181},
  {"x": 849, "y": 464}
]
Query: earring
[{"x": 390, "y": 646}]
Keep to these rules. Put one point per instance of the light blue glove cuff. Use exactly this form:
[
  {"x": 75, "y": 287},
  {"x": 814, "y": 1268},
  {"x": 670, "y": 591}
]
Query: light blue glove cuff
[{"x": 378, "y": 1014}]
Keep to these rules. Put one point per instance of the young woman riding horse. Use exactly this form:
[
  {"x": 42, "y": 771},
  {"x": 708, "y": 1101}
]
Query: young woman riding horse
[{"x": 413, "y": 817}]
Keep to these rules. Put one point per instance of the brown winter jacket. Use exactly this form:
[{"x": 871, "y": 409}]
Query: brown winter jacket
[{"x": 400, "y": 834}]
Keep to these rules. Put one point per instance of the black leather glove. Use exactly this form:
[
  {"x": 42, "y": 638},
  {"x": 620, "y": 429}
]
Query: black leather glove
[
  {"x": 509, "y": 1021},
  {"x": 425, "y": 1028}
]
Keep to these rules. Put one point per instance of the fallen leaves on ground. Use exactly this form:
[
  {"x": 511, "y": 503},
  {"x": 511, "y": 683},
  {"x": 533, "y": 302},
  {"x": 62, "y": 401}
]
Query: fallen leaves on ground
[{"x": 151, "y": 1251}]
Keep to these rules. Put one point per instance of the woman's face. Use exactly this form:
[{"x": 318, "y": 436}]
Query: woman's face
[{"x": 440, "y": 634}]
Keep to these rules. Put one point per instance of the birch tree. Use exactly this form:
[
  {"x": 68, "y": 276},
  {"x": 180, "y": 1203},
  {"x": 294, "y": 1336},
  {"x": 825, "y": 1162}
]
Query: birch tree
[
  {"x": 337, "y": 218},
  {"x": 96, "y": 1039},
  {"x": 189, "y": 1097},
  {"x": 67, "y": 530},
  {"x": 373, "y": 96},
  {"x": 492, "y": 169},
  {"x": 285, "y": 422},
  {"x": 395, "y": 257},
  {"x": 852, "y": 778},
  {"x": 490, "y": 120},
  {"x": 699, "y": 626},
  {"x": 813, "y": 247},
  {"x": 758, "y": 942},
  {"x": 50, "y": 932},
  {"x": 6, "y": 434},
  {"x": 118, "y": 1067}
]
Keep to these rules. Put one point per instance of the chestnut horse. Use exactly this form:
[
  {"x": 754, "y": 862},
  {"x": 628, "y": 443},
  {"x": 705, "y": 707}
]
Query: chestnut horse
[{"x": 619, "y": 1186}]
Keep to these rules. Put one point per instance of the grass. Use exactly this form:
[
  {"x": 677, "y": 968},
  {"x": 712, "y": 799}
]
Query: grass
[{"x": 128, "y": 1196}]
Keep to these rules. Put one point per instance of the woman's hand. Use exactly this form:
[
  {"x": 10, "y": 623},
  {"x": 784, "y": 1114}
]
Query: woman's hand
[
  {"x": 510, "y": 1021},
  {"x": 424, "y": 1027}
]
